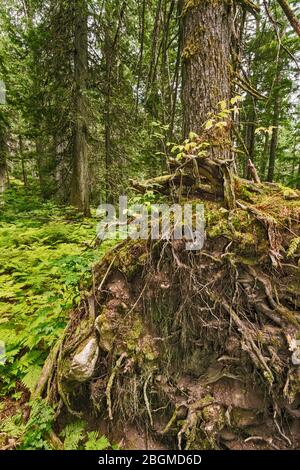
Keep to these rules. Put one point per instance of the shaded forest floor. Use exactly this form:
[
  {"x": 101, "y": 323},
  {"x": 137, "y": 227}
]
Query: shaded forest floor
[
  {"x": 45, "y": 256},
  {"x": 155, "y": 347}
]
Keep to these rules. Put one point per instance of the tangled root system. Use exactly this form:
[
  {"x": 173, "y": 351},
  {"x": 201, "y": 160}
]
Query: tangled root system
[{"x": 197, "y": 349}]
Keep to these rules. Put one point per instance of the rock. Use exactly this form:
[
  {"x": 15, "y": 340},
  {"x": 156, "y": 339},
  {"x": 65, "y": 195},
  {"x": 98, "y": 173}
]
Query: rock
[
  {"x": 231, "y": 392},
  {"x": 84, "y": 361},
  {"x": 227, "y": 436}
]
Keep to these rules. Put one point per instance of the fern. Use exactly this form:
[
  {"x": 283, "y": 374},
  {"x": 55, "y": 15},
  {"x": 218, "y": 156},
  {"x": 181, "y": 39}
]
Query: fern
[
  {"x": 31, "y": 377},
  {"x": 13, "y": 426},
  {"x": 294, "y": 245},
  {"x": 73, "y": 434},
  {"x": 96, "y": 443},
  {"x": 44, "y": 266}
]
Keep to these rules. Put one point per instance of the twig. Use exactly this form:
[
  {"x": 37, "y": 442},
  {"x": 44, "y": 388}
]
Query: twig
[
  {"x": 106, "y": 274},
  {"x": 146, "y": 398}
]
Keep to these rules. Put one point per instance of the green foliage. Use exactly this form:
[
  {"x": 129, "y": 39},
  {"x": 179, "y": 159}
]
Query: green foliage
[
  {"x": 35, "y": 433},
  {"x": 45, "y": 264},
  {"x": 38, "y": 426},
  {"x": 73, "y": 434},
  {"x": 76, "y": 438},
  {"x": 32, "y": 435},
  {"x": 95, "y": 442}
]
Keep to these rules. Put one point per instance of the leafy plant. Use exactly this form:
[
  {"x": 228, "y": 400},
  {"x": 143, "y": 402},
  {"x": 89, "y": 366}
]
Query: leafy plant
[{"x": 95, "y": 442}]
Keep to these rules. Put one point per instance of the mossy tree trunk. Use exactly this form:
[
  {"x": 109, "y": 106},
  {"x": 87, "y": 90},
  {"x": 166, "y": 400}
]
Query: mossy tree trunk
[{"x": 206, "y": 58}]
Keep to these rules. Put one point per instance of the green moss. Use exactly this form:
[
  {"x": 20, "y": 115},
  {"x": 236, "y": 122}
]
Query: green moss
[
  {"x": 245, "y": 194},
  {"x": 190, "y": 4},
  {"x": 106, "y": 330},
  {"x": 131, "y": 257},
  {"x": 193, "y": 43},
  {"x": 191, "y": 48},
  {"x": 133, "y": 336},
  {"x": 138, "y": 342}
]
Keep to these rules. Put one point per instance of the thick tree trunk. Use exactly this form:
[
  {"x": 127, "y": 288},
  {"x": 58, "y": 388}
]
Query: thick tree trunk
[
  {"x": 108, "y": 54},
  {"x": 206, "y": 61},
  {"x": 80, "y": 179}
]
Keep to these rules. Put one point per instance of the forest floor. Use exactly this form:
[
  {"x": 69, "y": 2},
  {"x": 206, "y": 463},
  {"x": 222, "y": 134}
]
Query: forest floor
[
  {"x": 155, "y": 347},
  {"x": 46, "y": 252}
]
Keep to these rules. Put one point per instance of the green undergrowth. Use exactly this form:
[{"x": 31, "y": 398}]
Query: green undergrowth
[
  {"x": 45, "y": 258},
  {"x": 37, "y": 433}
]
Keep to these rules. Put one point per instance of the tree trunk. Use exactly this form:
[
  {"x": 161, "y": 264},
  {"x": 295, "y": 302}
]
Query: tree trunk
[
  {"x": 108, "y": 54},
  {"x": 2, "y": 175},
  {"x": 290, "y": 16},
  {"x": 264, "y": 160},
  {"x": 250, "y": 135},
  {"x": 3, "y": 152},
  {"x": 206, "y": 61},
  {"x": 80, "y": 179},
  {"x": 274, "y": 139},
  {"x": 21, "y": 150}
]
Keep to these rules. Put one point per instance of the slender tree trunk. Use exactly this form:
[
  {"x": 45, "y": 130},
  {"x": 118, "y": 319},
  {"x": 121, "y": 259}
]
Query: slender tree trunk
[
  {"x": 2, "y": 171},
  {"x": 274, "y": 139},
  {"x": 80, "y": 177},
  {"x": 206, "y": 61},
  {"x": 175, "y": 85},
  {"x": 21, "y": 150},
  {"x": 250, "y": 135},
  {"x": 142, "y": 42},
  {"x": 265, "y": 155},
  {"x": 298, "y": 177},
  {"x": 3, "y": 166},
  {"x": 290, "y": 15}
]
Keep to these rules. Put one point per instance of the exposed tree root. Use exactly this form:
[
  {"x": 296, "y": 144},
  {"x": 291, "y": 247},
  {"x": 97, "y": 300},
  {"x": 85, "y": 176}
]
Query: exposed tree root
[{"x": 199, "y": 347}]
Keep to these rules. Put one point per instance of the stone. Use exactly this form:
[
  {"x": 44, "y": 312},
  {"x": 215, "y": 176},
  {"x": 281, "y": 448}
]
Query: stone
[{"x": 84, "y": 361}]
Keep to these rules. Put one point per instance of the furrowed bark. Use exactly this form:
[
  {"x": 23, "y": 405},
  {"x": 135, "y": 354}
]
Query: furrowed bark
[{"x": 206, "y": 62}]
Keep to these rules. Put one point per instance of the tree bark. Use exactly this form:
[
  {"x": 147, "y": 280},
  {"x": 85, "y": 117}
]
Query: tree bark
[
  {"x": 206, "y": 61},
  {"x": 266, "y": 152},
  {"x": 21, "y": 150},
  {"x": 274, "y": 139},
  {"x": 250, "y": 134},
  {"x": 80, "y": 177},
  {"x": 108, "y": 54},
  {"x": 290, "y": 16},
  {"x": 2, "y": 172},
  {"x": 3, "y": 153}
]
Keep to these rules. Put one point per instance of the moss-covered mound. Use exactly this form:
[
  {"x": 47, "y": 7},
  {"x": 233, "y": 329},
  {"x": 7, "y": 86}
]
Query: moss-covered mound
[{"x": 196, "y": 350}]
